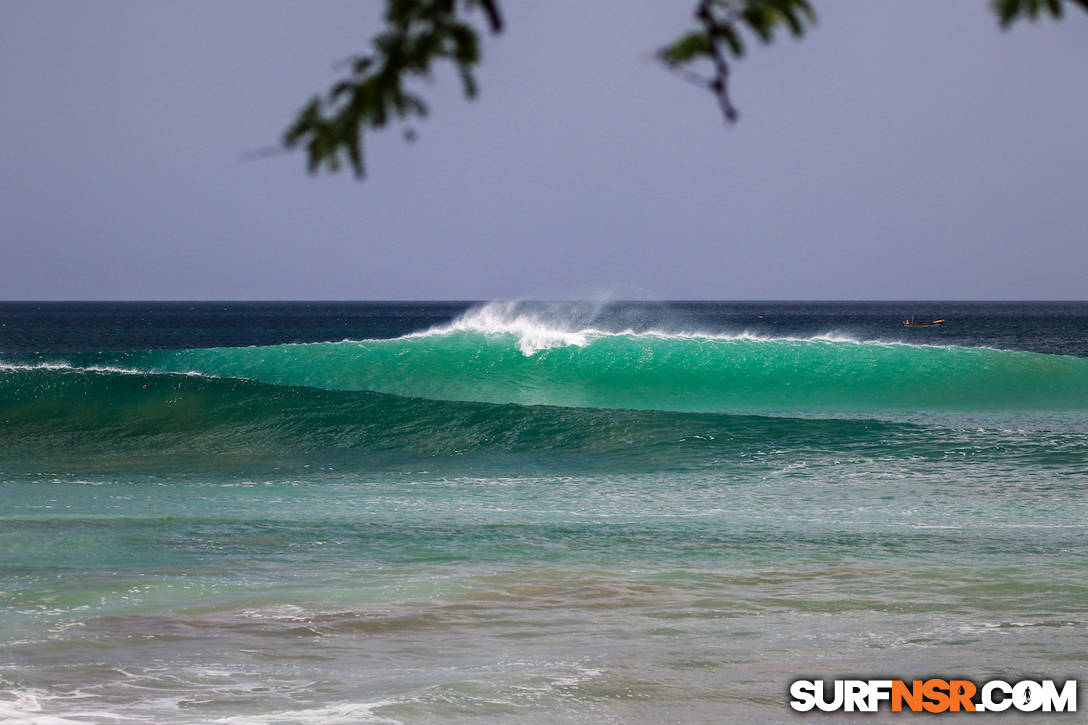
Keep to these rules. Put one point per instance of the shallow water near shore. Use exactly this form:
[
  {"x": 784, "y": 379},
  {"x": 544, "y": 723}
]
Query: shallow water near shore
[{"x": 416, "y": 513}]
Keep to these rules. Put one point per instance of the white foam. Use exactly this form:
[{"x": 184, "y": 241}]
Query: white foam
[
  {"x": 26, "y": 707},
  {"x": 65, "y": 366},
  {"x": 98, "y": 369},
  {"x": 539, "y": 329},
  {"x": 69, "y": 366},
  {"x": 30, "y": 706},
  {"x": 534, "y": 333},
  {"x": 281, "y": 612},
  {"x": 340, "y": 714}
]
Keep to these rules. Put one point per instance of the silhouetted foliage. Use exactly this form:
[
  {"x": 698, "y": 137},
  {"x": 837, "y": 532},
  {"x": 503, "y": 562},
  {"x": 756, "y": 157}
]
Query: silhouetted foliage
[
  {"x": 1009, "y": 11},
  {"x": 720, "y": 33},
  {"x": 419, "y": 33}
]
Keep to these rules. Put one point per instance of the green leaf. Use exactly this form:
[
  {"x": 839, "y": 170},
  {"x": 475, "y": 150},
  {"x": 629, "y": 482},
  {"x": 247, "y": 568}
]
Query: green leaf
[
  {"x": 732, "y": 39},
  {"x": 694, "y": 45}
]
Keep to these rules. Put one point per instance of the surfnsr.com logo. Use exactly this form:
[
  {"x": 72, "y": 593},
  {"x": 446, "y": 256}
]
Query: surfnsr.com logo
[{"x": 933, "y": 695}]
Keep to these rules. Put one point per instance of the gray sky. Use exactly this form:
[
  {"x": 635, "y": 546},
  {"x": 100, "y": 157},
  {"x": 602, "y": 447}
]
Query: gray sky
[{"x": 902, "y": 150}]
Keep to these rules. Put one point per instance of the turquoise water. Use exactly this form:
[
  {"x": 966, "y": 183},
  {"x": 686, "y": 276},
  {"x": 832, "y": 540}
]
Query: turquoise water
[{"x": 524, "y": 513}]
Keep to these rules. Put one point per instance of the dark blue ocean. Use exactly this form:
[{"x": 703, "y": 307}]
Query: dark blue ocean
[{"x": 534, "y": 512}]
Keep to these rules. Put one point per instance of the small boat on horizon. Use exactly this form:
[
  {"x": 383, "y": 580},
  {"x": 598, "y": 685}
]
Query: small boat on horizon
[{"x": 914, "y": 323}]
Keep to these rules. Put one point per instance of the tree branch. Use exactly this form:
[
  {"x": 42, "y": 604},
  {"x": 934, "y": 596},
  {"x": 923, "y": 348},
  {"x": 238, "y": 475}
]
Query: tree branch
[{"x": 720, "y": 84}]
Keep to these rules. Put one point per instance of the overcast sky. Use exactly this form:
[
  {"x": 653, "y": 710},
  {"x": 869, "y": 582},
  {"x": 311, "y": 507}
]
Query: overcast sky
[{"x": 902, "y": 150}]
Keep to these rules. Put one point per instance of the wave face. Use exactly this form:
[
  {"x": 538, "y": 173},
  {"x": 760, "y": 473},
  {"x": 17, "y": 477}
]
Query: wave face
[
  {"x": 497, "y": 355},
  {"x": 82, "y": 418}
]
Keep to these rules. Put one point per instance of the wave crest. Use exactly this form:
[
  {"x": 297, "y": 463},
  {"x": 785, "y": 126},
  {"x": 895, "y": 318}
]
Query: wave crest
[{"x": 537, "y": 327}]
